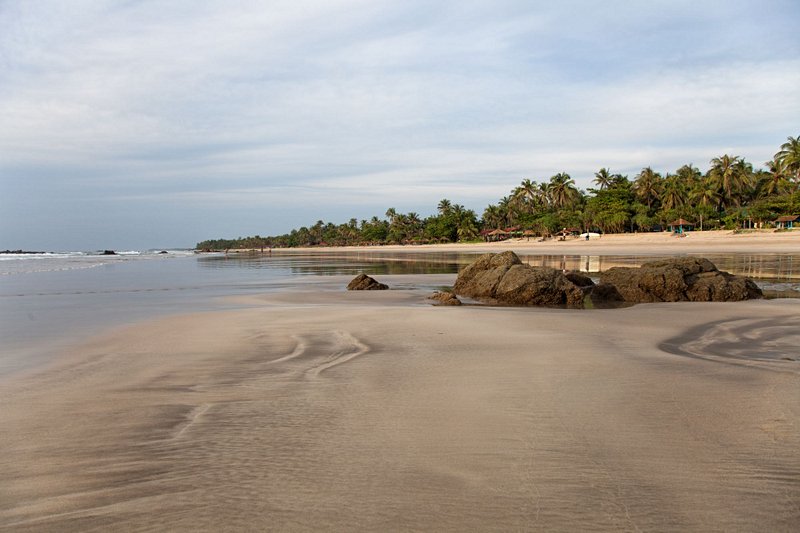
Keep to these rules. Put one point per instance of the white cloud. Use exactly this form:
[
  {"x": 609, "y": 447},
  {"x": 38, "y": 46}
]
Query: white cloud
[{"x": 382, "y": 102}]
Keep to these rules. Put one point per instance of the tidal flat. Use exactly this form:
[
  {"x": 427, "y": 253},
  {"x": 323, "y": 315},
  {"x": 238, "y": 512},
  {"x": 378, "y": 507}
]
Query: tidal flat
[{"x": 303, "y": 407}]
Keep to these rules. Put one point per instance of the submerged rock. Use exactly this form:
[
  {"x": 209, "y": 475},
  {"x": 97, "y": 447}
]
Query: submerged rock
[
  {"x": 502, "y": 278},
  {"x": 684, "y": 279},
  {"x": 362, "y": 282},
  {"x": 445, "y": 298}
]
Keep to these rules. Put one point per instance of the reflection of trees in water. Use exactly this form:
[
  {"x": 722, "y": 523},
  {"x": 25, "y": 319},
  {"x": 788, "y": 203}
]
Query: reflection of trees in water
[
  {"x": 758, "y": 266},
  {"x": 378, "y": 268}
]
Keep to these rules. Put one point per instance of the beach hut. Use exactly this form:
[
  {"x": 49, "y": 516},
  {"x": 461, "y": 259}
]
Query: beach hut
[
  {"x": 528, "y": 233},
  {"x": 787, "y": 222},
  {"x": 497, "y": 235},
  {"x": 681, "y": 225}
]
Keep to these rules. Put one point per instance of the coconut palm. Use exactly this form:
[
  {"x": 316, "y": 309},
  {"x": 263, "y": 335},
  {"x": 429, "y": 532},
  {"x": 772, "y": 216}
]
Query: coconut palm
[
  {"x": 562, "y": 190},
  {"x": 673, "y": 194},
  {"x": 789, "y": 157},
  {"x": 773, "y": 180},
  {"x": 413, "y": 222},
  {"x": 493, "y": 216},
  {"x": 689, "y": 175},
  {"x": 648, "y": 186},
  {"x": 603, "y": 178},
  {"x": 444, "y": 206},
  {"x": 704, "y": 193},
  {"x": 527, "y": 195},
  {"x": 731, "y": 177},
  {"x": 467, "y": 228},
  {"x": 507, "y": 205}
]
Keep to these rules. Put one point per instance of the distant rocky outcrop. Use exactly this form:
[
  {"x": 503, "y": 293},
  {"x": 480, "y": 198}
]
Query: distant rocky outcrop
[
  {"x": 684, "y": 279},
  {"x": 445, "y": 298},
  {"x": 362, "y": 282},
  {"x": 503, "y": 279},
  {"x": 109, "y": 252},
  {"x": 20, "y": 252}
]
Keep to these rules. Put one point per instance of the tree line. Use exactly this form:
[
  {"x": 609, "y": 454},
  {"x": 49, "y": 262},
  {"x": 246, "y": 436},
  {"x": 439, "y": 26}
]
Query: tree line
[{"x": 730, "y": 194}]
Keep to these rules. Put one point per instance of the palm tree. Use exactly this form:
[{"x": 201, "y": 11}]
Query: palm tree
[
  {"x": 689, "y": 175},
  {"x": 603, "y": 178},
  {"x": 648, "y": 186},
  {"x": 789, "y": 157},
  {"x": 507, "y": 206},
  {"x": 730, "y": 175},
  {"x": 674, "y": 193},
  {"x": 773, "y": 181},
  {"x": 493, "y": 216},
  {"x": 704, "y": 193},
  {"x": 562, "y": 190},
  {"x": 466, "y": 225},
  {"x": 414, "y": 223},
  {"x": 527, "y": 194},
  {"x": 444, "y": 206}
]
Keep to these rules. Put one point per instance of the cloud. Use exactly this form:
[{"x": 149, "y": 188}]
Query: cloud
[{"x": 372, "y": 103}]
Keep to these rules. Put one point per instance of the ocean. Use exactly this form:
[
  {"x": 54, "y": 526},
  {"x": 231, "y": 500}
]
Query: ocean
[{"x": 52, "y": 301}]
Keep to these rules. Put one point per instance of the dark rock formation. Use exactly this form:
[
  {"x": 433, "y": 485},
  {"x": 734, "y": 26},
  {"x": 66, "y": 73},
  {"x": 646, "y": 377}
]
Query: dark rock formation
[
  {"x": 502, "y": 278},
  {"x": 445, "y": 298},
  {"x": 109, "y": 252},
  {"x": 362, "y": 282},
  {"x": 579, "y": 279},
  {"x": 605, "y": 295},
  {"x": 676, "y": 280},
  {"x": 20, "y": 252}
]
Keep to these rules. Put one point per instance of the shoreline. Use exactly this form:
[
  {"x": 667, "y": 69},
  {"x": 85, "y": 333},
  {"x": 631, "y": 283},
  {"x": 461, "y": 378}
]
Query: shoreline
[{"x": 718, "y": 241}]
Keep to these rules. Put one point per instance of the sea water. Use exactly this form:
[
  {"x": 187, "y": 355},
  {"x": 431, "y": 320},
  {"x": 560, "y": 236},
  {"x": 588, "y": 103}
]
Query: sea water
[{"x": 52, "y": 301}]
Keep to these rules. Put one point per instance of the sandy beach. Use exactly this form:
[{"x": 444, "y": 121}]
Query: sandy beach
[
  {"x": 696, "y": 242},
  {"x": 319, "y": 409}
]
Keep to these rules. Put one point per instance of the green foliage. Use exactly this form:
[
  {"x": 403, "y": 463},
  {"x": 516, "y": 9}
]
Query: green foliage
[
  {"x": 610, "y": 209},
  {"x": 729, "y": 195}
]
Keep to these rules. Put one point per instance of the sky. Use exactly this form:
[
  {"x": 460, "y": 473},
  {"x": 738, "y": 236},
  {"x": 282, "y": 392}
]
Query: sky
[{"x": 148, "y": 124}]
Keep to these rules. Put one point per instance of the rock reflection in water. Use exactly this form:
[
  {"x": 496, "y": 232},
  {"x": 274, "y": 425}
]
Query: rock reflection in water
[{"x": 772, "y": 268}]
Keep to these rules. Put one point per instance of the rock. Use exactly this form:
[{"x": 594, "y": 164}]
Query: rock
[
  {"x": 479, "y": 279},
  {"x": 109, "y": 252},
  {"x": 722, "y": 287},
  {"x": 445, "y": 298},
  {"x": 579, "y": 279},
  {"x": 605, "y": 295},
  {"x": 676, "y": 280},
  {"x": 362, "y": 282},
  {"x": 502, "y": 278}
]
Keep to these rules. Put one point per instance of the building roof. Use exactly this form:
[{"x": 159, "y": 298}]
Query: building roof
[
  {"x": 681, "y": 222},
  {"x": 788, "y": 218}
]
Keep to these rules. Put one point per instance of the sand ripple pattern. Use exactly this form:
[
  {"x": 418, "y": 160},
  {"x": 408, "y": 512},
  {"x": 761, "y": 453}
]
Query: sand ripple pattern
[
  {"x": 328, "y": 419},
  {"x": 315, "y": 353},
  {"x": 772, "y": 343}
]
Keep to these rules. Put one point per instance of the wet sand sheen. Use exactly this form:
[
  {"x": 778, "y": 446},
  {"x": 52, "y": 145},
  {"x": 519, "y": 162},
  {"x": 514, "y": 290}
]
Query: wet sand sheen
[{"x": 359, "y": 412}]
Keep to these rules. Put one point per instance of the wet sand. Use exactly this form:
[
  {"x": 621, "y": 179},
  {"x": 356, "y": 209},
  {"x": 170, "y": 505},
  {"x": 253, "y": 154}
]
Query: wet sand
[{"x": 374, "y": 411}]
